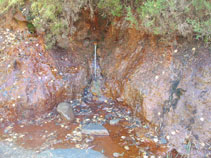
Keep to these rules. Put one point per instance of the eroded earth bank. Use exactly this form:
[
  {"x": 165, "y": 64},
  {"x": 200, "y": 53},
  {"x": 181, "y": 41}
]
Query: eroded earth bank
[{"x": 142, "y": 97}]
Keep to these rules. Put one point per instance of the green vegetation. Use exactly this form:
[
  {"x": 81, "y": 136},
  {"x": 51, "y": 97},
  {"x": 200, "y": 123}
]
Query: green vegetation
[
  {"x": 53, "y": 17},
  {"x": 189, "y": 18},
  {"x": 111, "y": 7},
  {"x": 46, "y": 19},
  {"x": 131, "y": 17}
]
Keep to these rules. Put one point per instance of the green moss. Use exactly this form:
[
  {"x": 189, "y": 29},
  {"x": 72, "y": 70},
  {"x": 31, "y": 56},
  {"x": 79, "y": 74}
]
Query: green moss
[{"x": 31, "y": 28}]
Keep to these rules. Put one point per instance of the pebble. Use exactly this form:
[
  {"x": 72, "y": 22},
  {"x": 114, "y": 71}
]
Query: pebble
[
  {"x": 173, "y": 132},
  {"x": 8, "y": 129},
  {"x": 62, "y": 125},
  {"x": 78, "y": 120},
  {"x": 202, "y": 119},
  {"x": 66, "y": 111},
  {"x": 90, "y": 139},
  {"x": 78, "y": 145},
  {"x": 94, "y": 129},
  {"x": 118, "y": 154},
  {"x": 163, "y": 141},
  {"x": 155, "y": 140},
  {"x": 126, "y": 148},
  {"x": 202, "y": 144},
  {"x": 114, "y": 121},
  {"x": 9, "y": 139},
  {"x": 123, "y": 137}
]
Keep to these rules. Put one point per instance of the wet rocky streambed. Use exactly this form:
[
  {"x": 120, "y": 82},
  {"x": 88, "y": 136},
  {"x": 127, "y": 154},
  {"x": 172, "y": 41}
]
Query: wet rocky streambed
[
  {"x": 107, "y": 128},
  {"x": 73, "y": 105}
]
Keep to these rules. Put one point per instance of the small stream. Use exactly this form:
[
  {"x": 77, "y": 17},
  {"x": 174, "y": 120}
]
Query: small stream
[{"x": 95, "y": 60}]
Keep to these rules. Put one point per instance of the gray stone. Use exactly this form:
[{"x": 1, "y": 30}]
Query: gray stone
[
  {"x": 163, "y": 140},
  {"x": 118, "y": 154},
  {"x": 109, "y": 116},
  {"x": 114, "y": 121},
  {"x": 71, "y": 153},
  {"x": 94, "y": 129},
  {"x": 8, "y": 150},
  {"x": 66, "y": 111},
  {"x": 102, "y": 99}
]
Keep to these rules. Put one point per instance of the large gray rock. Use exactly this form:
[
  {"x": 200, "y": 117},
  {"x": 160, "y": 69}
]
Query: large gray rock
[
  {"x": 14, "y": 151},
  {"x": 71, "y": 153},
  {"x": 66, "y": 111},
  {"x": 94, "y": 129}
]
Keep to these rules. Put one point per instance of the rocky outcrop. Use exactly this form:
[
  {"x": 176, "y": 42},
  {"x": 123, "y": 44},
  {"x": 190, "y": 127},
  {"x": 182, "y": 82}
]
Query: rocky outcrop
[
  {"x": 187, "y": 112},
  {"x": 33, "y": 81},
  {"x": 137, "y": 73},
  {"x": 170, "y": 88}
]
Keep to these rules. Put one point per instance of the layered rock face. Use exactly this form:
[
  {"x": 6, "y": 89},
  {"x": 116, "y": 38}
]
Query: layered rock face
[
  {"x": 170, "y": 88},
  {"x": 138, "y": 73},
  {"x": 186, "y": 116},
  {"x": 33, "y": 81}
]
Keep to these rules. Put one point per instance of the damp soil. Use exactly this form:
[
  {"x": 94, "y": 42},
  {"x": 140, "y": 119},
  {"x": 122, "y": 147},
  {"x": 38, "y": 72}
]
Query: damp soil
[{"x": 53, "y": 132}]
